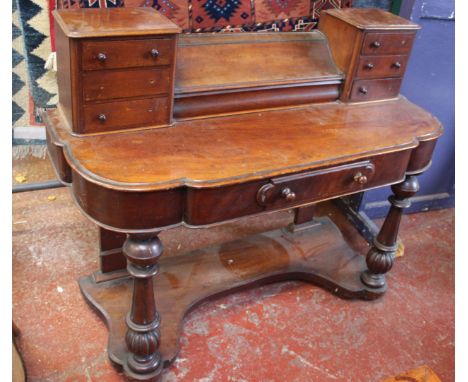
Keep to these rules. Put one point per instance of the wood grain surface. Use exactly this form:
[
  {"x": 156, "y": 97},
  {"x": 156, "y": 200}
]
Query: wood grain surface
[
  {"x": 234, "y": 149},
  {"x": 108, "y": 22}
]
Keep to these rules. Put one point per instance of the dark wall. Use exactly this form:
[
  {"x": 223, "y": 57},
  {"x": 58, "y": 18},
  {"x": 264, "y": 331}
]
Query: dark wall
[{"x": 384, "y": 4}]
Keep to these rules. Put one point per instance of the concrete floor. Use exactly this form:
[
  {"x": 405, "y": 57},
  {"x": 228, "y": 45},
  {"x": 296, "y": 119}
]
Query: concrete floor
[{"x": 282, "y": 332}]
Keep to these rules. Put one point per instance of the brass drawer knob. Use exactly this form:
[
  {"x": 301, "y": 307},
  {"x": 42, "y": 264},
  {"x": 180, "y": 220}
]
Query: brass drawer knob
[
  {"x": 154, "y": 53},
  {"x": 376, "y": 44},
  {"x": 363, "y": 90},
  {"x": 101, "y": 57},
  {"x": 369, "y": 66},
  {"x": 396, "y": 65},
  {"x": 288, "y": 194},
  {"x": 360, "y": 178},
  {"x": 102, "y": 117}
]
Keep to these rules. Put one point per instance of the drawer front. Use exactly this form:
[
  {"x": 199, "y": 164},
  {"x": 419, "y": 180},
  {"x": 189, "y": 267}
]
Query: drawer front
[
  {"x": 296, "y": 189},
  {"x": 381, "y": 66},
  {"x": 114, "y": 54},
  {"x": 368, "y": 90},
  {"x": 98, "y": 85},
  {"x": 108, "y": 116},
  {"x": 387, "y": 43},
  {"x": 208, "y": 206}
]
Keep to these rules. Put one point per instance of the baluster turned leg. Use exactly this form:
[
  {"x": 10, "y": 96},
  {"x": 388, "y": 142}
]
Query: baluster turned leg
[
  {"x": 144, "y": 360},
  {"x": 382, "y": 253}
]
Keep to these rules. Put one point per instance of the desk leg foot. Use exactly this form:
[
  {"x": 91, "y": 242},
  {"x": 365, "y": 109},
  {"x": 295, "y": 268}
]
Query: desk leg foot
[
  {"x": 380, "y": 257},
  {"x": 143, "y": 361},
  {"x": 318, "y": 254}
]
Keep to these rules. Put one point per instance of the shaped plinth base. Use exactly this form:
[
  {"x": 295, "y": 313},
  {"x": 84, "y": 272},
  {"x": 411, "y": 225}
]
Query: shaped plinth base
[{"x": 318, "y": 255}]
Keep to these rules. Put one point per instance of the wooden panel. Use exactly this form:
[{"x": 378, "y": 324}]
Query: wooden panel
[
  {"x": 210, "y": 62},
  {"x": 282, "y": 192},
  {"x": 108, "y": 116},
  {"x": 64, "y": 81},
  {"x": 117, "y": 54},
  {"x": 421, "y": 156},
  {"x": 207, "y": 206},
  {"x": 369, "y": 90},
  {"x": 372, "y": 18},
  {"x": 341, "y": 37},
  {"x": 136, "y": 210},
  {"x": 381, "y": 66},
  {"x": 224, "y": 103},
  {"x": 79, "y": 23},
  {"x": 235, "y": 149},
  {"x": 345, "y": 42},
  {"x": 57, "y": 157},
  {"x": 387, "y": 43},
  {"x": 98, "y": 85}
]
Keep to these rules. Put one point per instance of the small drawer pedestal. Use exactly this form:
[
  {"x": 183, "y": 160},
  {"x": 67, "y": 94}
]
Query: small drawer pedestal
[
  {"x": 114, "y": 75},
  {"x": 375, "y": 53}
]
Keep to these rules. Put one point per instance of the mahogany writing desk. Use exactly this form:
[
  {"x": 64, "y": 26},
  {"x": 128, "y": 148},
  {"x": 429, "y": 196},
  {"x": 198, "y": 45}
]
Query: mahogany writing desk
[{"x": 155, "y": 130}]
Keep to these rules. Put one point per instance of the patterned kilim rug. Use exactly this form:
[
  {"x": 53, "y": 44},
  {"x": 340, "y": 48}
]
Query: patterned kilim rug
[{"x": 36, "y": 87}]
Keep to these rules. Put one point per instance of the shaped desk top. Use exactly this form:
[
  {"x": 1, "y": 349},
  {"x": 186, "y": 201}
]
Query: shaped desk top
[
  {"x": 227, "y": 150},
  {"x": 209, "y": 170}
]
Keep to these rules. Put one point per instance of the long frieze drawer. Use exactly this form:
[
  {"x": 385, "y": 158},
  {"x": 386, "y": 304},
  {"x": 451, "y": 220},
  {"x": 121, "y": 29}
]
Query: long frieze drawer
[
  {"x": 207, "y": 206},
  {"x": 115, "y": 54},
  {"x": 381, "y": 66},
  {"x": 285, "y": 191},
  {"x": 369, "y": 90},
  {"x": 109, "y": 116},
  {"x": 387, "y": 43},
  {"x": 98, "y": 85}
]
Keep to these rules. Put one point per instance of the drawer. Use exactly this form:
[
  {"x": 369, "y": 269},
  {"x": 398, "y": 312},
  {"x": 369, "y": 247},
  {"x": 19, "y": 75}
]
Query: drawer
[
  {"x": 118, "y": 54},
  {"x": 99, "y": 85},
  {"x": 368, "y": 90},
  {"x": 381, "y": 66},
  {"x": 211, "y": 205},
  {"x": 387, "y": 43},
  {"x": 295, "y": 189},
  {"x": 108, "y": 116}
]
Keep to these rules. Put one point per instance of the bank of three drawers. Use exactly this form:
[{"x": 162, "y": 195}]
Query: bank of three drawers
[
  {"x": 116, "y": 81},
  {"x": 371, "y": 48}
]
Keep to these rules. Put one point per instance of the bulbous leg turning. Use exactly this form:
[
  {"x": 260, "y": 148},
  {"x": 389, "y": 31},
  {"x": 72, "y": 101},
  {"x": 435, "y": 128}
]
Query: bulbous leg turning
[
  {"x": 381, "y": 256},
  {"x": 143, "y": 361}
]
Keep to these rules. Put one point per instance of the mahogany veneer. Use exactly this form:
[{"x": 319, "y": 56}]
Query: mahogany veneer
[
  {"x": 250, "y": 133},
  {"x": 115, "y": 68},
  {"x": 369, "y": 43}
]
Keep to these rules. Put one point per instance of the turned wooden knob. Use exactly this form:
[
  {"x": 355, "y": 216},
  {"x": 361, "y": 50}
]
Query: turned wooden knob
[
  {"x": 360, "y": 178},
  {"x": 363, "y": 90},
  {"x": 101, "y": 57},
  {"x": 396, "y": 65},
  {"x": 154, "y": 53},
  {"x": 369, "y": 66},
  {"x": 376, "y": 44},
  {"x": 102, "y": 117},
  {"x": 288, "y": 194}
]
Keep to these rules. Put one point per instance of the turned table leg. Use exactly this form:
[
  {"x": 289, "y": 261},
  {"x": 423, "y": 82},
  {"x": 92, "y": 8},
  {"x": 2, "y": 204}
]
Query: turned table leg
[
  {"x": 144, "y": 360},
  {"x": 380, "y": 257}
]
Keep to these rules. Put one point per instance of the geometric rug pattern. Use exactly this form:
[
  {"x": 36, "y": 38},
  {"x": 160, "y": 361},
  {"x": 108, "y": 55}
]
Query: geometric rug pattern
[
  {"x": 20, "y": 86},
  {"x": 36, "y": 23}
]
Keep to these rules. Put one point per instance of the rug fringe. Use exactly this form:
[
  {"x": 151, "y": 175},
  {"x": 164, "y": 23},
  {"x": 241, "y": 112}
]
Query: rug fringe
[{"x": 22, "y": 151}]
